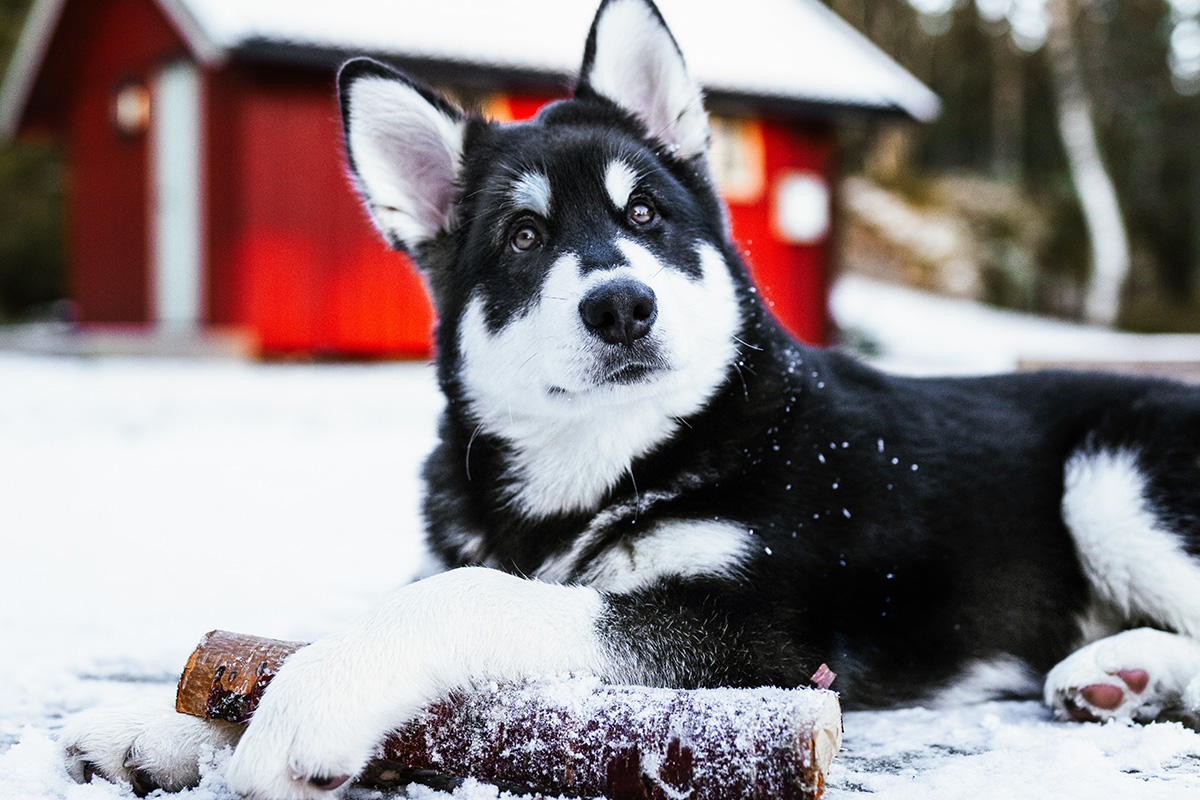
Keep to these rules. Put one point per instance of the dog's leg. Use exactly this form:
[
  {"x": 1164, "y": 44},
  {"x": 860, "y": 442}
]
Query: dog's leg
[
  {"x": 1139, "y": 674},
  {"x": 1133, "y": 556},
  {"x": 145, "y": 744},
  {"x": 1138, "y": 564},
  {"x": 334, "y": 701}
]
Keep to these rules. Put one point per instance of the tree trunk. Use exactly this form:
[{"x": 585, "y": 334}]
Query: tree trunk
[
  {"x": 1093, "y": 185},
  {"x": 1008, "y": 110}
]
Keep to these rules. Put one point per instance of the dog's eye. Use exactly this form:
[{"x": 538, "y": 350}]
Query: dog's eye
[
  {"x": 641, "y": 213},
  {"x": 525, "y": 238}
]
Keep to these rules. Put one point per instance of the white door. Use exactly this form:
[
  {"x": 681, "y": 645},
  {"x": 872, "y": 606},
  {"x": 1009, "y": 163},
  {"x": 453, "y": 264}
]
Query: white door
[{"x": 175, "y": 191}]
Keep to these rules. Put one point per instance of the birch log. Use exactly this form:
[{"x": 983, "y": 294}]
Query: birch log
[{"x": 568, "y": 736}]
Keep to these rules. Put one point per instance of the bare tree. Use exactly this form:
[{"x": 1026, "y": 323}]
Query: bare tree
[
  {"x": 1109, "y": 243},
  {"x": 1008, "y": 104}
]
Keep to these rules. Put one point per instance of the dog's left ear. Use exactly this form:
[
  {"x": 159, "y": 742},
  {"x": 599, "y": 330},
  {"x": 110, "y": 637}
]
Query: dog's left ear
[
  {"x": 404, "y": 147},
  {"x": 632, "y": 59}
]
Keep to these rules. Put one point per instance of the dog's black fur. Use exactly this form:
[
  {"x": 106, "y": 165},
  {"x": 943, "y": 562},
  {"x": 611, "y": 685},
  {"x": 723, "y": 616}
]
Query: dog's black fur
[
  {"x": 725, "y": 505},
  {"x": 903, "y": 528}
]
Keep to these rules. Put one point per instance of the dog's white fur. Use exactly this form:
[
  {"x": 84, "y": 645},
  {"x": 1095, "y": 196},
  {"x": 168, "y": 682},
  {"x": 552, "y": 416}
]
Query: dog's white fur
[
  {"x": 1131, "y": 562},
  {"x": 537, "y": 382},
  {"x": 688, "y": 548},
  {"x": 620, "y": 180},
  {"x": 986, "y": 680},
  {"x": 639, "y": 67},
  {"x": 531, "y": 192},
  {"x": 408, "y": 154}
]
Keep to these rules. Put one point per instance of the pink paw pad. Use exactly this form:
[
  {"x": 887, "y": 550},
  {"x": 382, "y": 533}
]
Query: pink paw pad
[
  {"x": 1102, "y": 695},
  {"x": 1135, "y": 679}
]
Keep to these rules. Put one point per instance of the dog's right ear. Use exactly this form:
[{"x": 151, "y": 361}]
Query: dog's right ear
[
  {"x": 404, "y": 148},
  {"x": 632, "y": 60}
]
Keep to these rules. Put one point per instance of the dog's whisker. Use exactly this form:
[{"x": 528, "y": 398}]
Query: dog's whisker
[
  {"x": 737, "y": 366},
  {"x": 637, "y": 502},
  {"x": 470, "y": 442},
  {"x": 747, "y": 344}
]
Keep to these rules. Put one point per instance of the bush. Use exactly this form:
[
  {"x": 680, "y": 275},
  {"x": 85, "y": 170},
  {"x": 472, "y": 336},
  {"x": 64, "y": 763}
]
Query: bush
[{"x": 31, "y": 248}]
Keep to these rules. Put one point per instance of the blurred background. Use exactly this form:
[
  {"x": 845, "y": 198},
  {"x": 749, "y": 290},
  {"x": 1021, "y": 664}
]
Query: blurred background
[
  {"x": 174, "y": 166},
  {"x": 914, "y": 178}
]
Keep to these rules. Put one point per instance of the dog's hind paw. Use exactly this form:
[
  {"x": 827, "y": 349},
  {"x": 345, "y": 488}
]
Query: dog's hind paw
[
  {"x": 146, "y": 745},
  {"x": 1137, "y": 675}
]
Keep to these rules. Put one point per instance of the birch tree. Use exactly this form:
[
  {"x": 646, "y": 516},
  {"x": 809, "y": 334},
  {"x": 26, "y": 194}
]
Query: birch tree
[{"x": 1107, "y": 237}]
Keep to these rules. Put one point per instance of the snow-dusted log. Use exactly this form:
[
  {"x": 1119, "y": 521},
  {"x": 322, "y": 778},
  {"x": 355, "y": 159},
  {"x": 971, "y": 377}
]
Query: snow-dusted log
[{"x": 572, "y": 736}]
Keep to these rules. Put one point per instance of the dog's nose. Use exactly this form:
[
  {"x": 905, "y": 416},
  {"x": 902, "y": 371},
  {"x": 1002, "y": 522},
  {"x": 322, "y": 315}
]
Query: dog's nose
[{"x": 620, "y": 311}]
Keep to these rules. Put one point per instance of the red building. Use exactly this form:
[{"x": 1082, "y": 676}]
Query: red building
[{"x": 205, "y": 183}]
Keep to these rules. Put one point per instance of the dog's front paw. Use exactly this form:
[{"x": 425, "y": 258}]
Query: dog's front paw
[
  {"x": 146, "y": 745},
  {"x": 1138, "y": 675},
  {"x": 319, "y": 723}
]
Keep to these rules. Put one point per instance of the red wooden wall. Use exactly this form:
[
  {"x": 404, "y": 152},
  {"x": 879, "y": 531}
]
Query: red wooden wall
[
  {"x": 107, "y": 193},
  {"x": 290, "y": 255},
  {"x": 793, "y": 279}
]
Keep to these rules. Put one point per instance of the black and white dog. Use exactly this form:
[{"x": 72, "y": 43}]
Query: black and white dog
[{"x": 641, "y": 477}]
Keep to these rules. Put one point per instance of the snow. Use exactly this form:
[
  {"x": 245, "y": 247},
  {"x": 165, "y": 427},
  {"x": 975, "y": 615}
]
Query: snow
[
  {"x": 792, "y": 50},
  {"x": 774, "y": 48},
  {"x": 145, "y": 502},
  {"x": 925, "y": 334}
]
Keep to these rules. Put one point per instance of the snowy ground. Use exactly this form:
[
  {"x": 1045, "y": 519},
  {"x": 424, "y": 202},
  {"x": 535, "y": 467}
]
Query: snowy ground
[{"x": 144, "y": 502}]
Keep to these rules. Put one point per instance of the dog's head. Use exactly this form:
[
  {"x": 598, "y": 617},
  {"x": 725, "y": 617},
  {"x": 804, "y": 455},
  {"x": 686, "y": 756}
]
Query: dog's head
[{"x": 576, "y": 261}]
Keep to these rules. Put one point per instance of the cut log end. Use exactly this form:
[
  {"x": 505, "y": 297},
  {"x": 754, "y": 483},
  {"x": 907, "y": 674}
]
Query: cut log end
[{"x": 227, "y": 673}]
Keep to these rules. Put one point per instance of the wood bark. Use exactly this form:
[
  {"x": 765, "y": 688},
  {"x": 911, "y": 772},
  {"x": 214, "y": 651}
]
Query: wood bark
[{"x": 568, "y": 736}]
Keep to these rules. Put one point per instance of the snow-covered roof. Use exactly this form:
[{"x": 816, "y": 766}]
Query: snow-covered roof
[{"x": 785, "y": 50}]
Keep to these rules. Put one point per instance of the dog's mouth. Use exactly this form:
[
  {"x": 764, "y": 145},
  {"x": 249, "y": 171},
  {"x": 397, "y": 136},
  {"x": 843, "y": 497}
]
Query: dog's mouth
[
  {"x": 626, "y": 367},
  {"x": 620, "y": 372},
  {"x": 629, "y": 373}
]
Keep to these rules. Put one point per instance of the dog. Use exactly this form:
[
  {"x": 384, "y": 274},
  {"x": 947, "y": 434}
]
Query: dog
[{"x": 640, "y": 476}]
